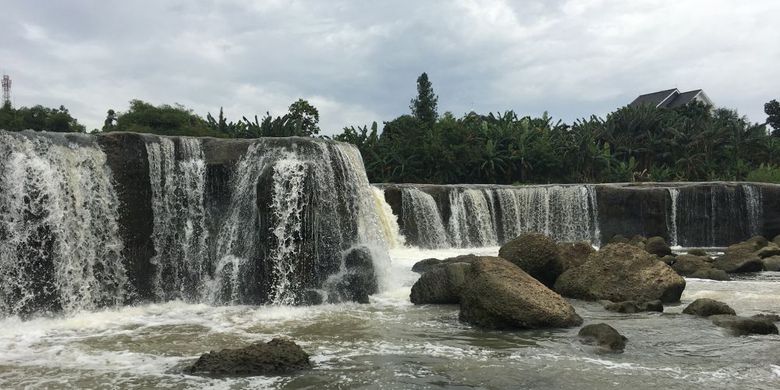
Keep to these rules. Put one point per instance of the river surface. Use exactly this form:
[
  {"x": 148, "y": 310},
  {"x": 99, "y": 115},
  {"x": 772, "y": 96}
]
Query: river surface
[{"x": 392, "y": 344}]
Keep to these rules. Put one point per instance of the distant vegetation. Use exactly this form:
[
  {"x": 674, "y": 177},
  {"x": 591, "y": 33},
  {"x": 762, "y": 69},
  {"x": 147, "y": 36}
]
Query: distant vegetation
[{"x": 693, "y": 142}]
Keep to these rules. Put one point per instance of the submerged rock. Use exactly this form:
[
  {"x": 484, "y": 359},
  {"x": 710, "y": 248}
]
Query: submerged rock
[
  {"x": 499, "y": 295},
  {"x": 705, "y": 307},
  {"x": 605, "y": 337},
  {"x": 276, "y": 357},
  {"x": 535, "y": 254},
  {"x": 634, "y": 307},
  {"x": 621, "y": 272},
  {"x": 744, "y": 325},
  {"x": 657, "y": 246}
]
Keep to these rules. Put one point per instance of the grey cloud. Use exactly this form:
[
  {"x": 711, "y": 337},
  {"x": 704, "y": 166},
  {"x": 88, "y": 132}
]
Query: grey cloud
[{"x": 357, "y": 60}]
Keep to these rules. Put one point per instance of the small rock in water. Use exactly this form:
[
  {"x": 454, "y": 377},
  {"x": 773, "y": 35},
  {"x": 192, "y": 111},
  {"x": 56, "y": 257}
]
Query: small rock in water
[
  {"x": 657, "y": 246},
  {"x": 770, "y": 250},
  {"x": 276, "y": 357},
  {"x": 767, "y": 317},
  {"x": 740, "y": 326},
  {"x": 697, "y": 252},
  {"x": 629, "y": 307},
  {"x": 776, "y": 240},
  {"x": 772, "y": 263},
  {"x": 605, "y": 337},
  {"x": 705, "y": 307}
]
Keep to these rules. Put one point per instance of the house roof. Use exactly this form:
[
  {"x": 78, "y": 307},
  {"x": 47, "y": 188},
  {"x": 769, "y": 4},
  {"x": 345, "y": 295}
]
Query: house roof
[
  {"x": 654, "y": 98},
  {"x": 670, "y": 98},
  {"x": 682, "y": 99}
]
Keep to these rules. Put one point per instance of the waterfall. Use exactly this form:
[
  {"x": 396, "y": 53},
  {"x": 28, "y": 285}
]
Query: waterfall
[
  {"x": 422, "y": 219},
  {"x": 177, "y": 178},
  {"x": 59, "y": 241},
  {"x": 388, "y": 221},
  {"x": 674, "y": 193},
  {"x": 472, "y": 219},
  {"x": 755, "y": 208}
]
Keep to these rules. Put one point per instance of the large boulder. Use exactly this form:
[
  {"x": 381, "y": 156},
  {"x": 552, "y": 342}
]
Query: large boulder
[
  {"x": 739, "y": 261},
  {"x": 657, "y": 246},
  {"x": 535, "y": 254},
  {"x": 441, "y": 284},
  {"x": 705, "y": 307},
  {"x": 770, "y": 250},
  {"x": 772, "y": 263},
  {"x": 499, "y": 295},
  {"x": 629, "y": 307},
  {"x": 605, "y": 337},
  {"x": 574, "y": 254},
  {"x": 698, "y": 267},
  {"x": 744, "y": 325},
  {"x": 425, "y": 265},
  {"x": 621, "y": 272},
  {"x": 277, "y": 357}
]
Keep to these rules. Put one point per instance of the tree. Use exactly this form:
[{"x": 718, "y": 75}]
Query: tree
[
  {"x": 39, "y": 118},
  {"x": 424, "y": 105},
  {"x": 143, "y": 117},
  {"x": 306, "y": 118},
  {"x": 110, "y": 121},
  {"x": 772, "y": 110}
]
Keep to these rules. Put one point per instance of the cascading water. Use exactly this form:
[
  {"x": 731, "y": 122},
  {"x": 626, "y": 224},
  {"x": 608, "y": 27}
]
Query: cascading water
[
  {"x": 674, "y": 193},
  {"x": 472, "y": 219},
  {"x": 422, "y": 219},
  {"x": 755, "y": 210},
  {"x": 59, "y": 242},
  {"x": 177, "y": 178},
  {"x": 387, "y": 219}
]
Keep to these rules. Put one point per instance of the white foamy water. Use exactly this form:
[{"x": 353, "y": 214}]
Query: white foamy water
[{"x": 393, "y": 344}]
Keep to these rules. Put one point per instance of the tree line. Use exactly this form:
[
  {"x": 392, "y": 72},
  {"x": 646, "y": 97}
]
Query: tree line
[{"x": 634, "y": 143}]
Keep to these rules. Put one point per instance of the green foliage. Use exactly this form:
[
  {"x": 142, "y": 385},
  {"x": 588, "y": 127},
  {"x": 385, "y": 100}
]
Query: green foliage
[
  {"x": 772, "y": 110},
  {"x": 38, "y": 118},
  {"x": 424, "y": 105},
  {"x": 765, "y": 173},
  {"x": 143, "y": 117}
]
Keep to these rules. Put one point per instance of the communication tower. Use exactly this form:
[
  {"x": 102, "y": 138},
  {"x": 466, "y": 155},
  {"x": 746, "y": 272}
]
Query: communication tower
[{"x": 6, "y": 89}]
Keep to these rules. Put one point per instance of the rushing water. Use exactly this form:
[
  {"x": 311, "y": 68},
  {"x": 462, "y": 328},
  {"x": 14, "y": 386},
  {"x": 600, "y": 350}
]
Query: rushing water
[{"x": 393, "y": 344}]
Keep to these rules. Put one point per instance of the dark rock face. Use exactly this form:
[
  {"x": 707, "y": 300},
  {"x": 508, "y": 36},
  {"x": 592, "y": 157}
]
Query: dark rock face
[
  {"x": 535, "y": 254},
  {"x": 633, "y": 210},
  {"x": 359, "y": 280},
  {"x": 657, "y": 246},
  {"x": 705, "y": 307},
  {"x": 605, "y": 337},
  {"x": 499, "y": 295},
  {"x": 277, "y": 357},
  {"x": 621, "y": 272},
  {"x": 574, "y": 254},
  {"x": 629, "y": 307},
  {"x": 740, "y": 326}
]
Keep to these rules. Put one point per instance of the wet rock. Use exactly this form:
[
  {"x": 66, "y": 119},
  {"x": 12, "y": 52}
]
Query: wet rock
[
  {"x": 744, "y": 325},
  {"x": 359, "y": 280},
  {"x": 698, "y": 267},
  {"x": 698, "y": 252},
  {"x": 705, "y": 307},
  {"x": 751, "y": 245},
  {"x": 629, "y": 307},
  {"x": 621, "y": 272},
  {"x": 776, "y": 240},
  {"x": 638, "y": 241},
  {"x": 772, "y": 263},
  {"x": 499, "y": 295},
  {"x": 441, "y": 284},
  {"x": 605, "y": 337},
  {"x": 423, "y": 266},
  {"x": 535, "y": 254},
  {"x": 669, "y": 259},
  {"x": 618, "y": 239},
  {"x": 767, "y": 317},
  {"x": 277, "y": 357},
  {"x": 657, "y": 246},
  {"x": 768, "y": 251},
  {"x": 739, "y": 261},
  {"x": 574, "y": 254}
]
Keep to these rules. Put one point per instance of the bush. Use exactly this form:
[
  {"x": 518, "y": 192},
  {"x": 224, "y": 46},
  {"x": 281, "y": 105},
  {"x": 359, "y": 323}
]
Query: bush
[{"x": 765, "y": 173}]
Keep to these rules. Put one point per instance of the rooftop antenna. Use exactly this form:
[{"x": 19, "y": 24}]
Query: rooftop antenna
[{"x": 6, "y": 89}]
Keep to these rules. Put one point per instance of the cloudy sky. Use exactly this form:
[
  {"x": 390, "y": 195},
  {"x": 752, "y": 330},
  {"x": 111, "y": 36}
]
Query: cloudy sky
[{"x": 357, "y": 61}]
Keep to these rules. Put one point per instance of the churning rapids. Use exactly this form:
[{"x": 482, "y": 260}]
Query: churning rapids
[{"x": 123, "y": 258}]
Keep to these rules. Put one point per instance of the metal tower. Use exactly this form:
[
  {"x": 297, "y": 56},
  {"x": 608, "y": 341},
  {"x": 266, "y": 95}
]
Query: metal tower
[{"x": 6, "y": 89}]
